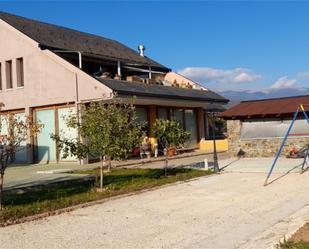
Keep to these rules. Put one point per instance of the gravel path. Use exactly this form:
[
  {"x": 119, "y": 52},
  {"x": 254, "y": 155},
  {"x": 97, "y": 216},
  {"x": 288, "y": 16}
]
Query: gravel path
[{"x": 224, "y": 211}]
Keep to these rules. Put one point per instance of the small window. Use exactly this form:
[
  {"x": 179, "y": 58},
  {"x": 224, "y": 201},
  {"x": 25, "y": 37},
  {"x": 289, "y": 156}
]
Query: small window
[
  {"x": 0, "y": 77},
  {"x": 20, "y": 72},
  {"x": 8, "y": 72}
]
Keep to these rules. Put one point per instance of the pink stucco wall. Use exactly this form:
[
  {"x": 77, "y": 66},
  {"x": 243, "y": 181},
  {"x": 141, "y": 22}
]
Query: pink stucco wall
[{"x": 48, "y": 79}]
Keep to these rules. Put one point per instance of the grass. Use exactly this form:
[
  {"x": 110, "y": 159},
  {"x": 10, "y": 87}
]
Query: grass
[
  {"x": 119, "y": 181},
  {"x": 294, "y": 245},
  {"x": 299, "y": 240}
]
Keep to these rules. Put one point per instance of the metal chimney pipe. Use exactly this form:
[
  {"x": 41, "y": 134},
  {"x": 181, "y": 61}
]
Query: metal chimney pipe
[{"x": 141, "y": 49}]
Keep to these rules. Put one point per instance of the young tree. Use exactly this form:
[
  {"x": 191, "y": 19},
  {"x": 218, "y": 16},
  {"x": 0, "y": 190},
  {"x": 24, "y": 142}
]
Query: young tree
[
  {"x": 111, "y": 130},
  {"x": 13, "y": 133},
  {"x": 169, "y": 133}
]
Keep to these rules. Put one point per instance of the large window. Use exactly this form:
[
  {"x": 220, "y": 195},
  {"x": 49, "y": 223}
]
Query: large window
[
  {"x": 178, "y": 115},
  {"x": 142, "y": 114},
  {"x": 162, "y": 113},
  {"x": 190, "y": 126},
  {"x": 8, "y": 74},
  {"x": 20, "y": 72},
  {"x": 262, "y": 129},
  {"x": 185, "y": 117}
]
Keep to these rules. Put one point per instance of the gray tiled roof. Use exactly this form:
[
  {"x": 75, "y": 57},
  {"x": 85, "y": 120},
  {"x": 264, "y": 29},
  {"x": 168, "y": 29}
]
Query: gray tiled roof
[
  {"x": 215, "y": 108},
  {"x": 56, "y": 37},
  {"x": 160, "y": 91}
]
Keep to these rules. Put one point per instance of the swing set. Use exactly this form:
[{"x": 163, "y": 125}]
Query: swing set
[{"x": 305, "y": 149}]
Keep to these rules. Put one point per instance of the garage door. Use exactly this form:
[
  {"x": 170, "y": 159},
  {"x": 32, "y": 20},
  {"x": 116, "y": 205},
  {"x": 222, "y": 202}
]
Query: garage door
[
  {"x": 64, "y": 130},
  {"x": 46, "y": 147},
  {"x": 21, "y": 154}
]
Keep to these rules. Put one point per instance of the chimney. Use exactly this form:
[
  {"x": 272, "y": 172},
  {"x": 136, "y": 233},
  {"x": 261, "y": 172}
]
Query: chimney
[{"x": 141, "y": 49}]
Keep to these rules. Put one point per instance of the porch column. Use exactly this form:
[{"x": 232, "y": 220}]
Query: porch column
[
  {"x": 200, "y": 124},
  {"x": 30, "y": 139},
  {"x": 152, "y": 112},
  {"x": 206, "y": 116}
]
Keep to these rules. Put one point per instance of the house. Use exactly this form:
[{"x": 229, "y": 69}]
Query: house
[
  {"x": 258, "y": 127},
  {"x": 46, "y": 71}
]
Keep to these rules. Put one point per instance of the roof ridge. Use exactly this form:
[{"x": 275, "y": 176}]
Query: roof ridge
[
  {"x": 55, "y": 25},
  {"x": 277, "y": 98}
]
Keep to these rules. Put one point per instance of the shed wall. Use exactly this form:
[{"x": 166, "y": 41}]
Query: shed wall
[{"x": 259, "y": 147}]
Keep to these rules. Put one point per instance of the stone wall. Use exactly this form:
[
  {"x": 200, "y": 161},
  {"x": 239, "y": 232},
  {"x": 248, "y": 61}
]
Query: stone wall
[{"x": 259, "y": 147}]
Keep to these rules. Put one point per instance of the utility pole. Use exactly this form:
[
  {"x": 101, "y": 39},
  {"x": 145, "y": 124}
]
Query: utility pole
[{"x": 215, "y": 156}]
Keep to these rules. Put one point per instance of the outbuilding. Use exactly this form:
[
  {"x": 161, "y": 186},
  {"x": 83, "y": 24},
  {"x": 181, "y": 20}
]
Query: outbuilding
[{"x": 257, "y": 127}]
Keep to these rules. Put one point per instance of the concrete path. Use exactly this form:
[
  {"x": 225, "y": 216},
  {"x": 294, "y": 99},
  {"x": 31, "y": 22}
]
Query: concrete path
[
  {"x": 38, "y": 174},
  {"x": 230, "y": 210},
  {"x": 261, "y": 165},
  {"x": 34, "y": 175}
]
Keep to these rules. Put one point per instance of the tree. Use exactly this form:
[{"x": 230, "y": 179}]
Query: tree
[
  {"x": 11, "y": 139},
  {"x": 110, "y": 131},
  {"x": 169, "y": 133}
]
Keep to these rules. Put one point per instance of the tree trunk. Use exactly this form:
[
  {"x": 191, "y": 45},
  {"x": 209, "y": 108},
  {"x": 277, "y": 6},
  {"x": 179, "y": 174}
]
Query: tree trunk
[
  {"x": 109, "y": 164},
  {"x": 166, "y": 162},
  {"x": 1, "y": 190},
  {"x": 101, "y": 172}
]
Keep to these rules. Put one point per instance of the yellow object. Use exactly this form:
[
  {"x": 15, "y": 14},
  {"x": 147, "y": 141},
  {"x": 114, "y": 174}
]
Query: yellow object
[
  {"x": 302, "y": 107},
  {"x": 208, "y": 145},
  {"x": 154, "y": 144},
  {"x": 153, "y": 141}
]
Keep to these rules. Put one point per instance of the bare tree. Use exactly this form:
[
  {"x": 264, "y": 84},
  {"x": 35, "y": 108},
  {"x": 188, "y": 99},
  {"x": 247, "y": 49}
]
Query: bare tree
[{"x": 14, "y": 132}]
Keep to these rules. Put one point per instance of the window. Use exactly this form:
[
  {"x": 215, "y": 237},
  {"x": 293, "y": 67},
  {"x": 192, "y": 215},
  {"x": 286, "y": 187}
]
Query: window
[
  {"x": 162, "y": 113},
  {"x": 20, "y": 72},
  {"x": 142, "y": 114},
  {"x": 191, "y": 126},
  {"x": 178, "y": 116},
  {"x": 267, "y": 129},
  {"x": 185, "y": 117},
  {"x": 0, "y": 78},
  {"x": 8, "y": 72}
]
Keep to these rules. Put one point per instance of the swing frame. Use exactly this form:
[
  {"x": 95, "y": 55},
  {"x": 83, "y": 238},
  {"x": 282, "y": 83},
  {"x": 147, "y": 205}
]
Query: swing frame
[{"x": 300, "y": 108}]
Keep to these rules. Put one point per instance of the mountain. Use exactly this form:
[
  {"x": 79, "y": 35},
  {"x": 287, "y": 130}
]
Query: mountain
[{"x": 236, "y": 96}]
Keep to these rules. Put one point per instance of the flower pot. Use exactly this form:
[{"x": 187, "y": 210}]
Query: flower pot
[{"x": 171, "y": 151}]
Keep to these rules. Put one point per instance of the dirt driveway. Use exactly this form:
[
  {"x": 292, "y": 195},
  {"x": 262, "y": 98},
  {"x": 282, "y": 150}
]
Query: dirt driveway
[{"x": 231, "y": 210}]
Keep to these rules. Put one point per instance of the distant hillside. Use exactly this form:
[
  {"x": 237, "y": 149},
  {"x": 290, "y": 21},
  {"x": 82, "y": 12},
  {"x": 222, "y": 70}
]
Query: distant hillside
[{"x": 236, "y": 96}]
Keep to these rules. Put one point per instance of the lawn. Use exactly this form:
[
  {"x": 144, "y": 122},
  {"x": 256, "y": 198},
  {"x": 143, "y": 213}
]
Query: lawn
[
  {"x": 119, "y": 181},
  {"x": 300, "y": 240}
]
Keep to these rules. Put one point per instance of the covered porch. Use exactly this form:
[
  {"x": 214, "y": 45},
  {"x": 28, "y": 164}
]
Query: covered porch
[{"x": 187, "y": 106}]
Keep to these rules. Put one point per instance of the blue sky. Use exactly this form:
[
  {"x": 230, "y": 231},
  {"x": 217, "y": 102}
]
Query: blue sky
[{"x": 225, "y": 45}]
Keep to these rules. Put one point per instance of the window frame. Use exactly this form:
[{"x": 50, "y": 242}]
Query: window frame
[
  {"x": 9, "y": 74},
  {"x": 20, "y": 72}
]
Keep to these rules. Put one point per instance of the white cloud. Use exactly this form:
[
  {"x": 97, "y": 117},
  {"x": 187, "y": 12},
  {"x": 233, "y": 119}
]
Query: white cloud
[
  {"x": 303, "y": 75},
  {"x": 207, "y": 74},
  {"x": 285, "y": 82}
]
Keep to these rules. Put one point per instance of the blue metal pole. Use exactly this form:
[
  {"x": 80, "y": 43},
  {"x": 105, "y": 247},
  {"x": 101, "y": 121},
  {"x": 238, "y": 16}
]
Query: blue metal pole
[
  {"x": 281, "y": 147},
  {"x": 307, "y": 150}
]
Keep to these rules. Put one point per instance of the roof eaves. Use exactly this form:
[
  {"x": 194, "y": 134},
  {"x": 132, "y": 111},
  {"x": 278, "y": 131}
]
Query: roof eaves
[{"x": 123, "y": 92}]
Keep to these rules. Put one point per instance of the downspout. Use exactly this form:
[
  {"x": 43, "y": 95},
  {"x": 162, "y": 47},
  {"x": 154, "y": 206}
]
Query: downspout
[
  {"x": 76, "y": 86},
  {"x": 77, "y": 97},
  {"x": 79, "y": 66}
]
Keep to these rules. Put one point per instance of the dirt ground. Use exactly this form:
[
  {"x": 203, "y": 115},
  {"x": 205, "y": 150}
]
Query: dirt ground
[
  {"x": 302, "y": 234},
  {"x": 230, "y": 210}
]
